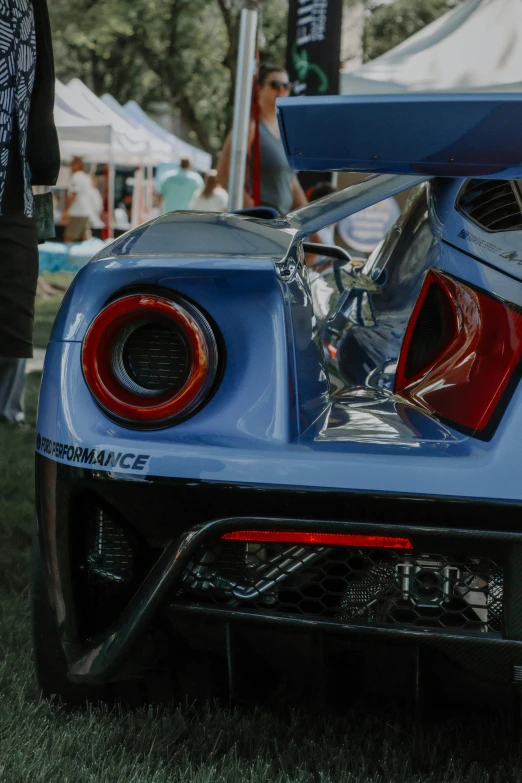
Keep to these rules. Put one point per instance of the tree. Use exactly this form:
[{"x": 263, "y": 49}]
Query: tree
[
  {"x": 181, "y": 52},
  {"x": 388, "y": 25}
]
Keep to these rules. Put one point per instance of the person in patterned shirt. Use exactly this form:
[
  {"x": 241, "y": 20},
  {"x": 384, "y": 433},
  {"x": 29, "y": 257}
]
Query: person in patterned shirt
[{"x": 29, "y": 155}]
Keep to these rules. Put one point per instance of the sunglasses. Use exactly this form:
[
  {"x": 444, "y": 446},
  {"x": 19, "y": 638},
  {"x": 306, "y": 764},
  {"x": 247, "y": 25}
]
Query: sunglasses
[{"x": 277, "y": 85}]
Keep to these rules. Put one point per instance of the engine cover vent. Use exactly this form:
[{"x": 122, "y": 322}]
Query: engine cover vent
[{"x": 495, "y": 205}]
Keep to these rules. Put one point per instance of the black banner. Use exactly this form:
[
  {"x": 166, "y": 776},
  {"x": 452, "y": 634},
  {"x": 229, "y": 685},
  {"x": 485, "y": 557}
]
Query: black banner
[{"x": 313, "y": 54}]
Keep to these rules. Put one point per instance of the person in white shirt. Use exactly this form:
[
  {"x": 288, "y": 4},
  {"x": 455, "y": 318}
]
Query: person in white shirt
[
  {"x": 213, "y": 198},
  {"x": 121, "y": 218},
  {"x": 78, "y": 205},
  {"x": 96, "y": 199}
]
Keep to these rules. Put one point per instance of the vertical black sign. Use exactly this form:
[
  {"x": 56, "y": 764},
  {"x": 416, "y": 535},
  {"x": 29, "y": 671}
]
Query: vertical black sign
[{"x": 314, "y": 53}]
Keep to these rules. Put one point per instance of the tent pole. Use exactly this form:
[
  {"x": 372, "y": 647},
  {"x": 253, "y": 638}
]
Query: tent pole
[
  {"x": 150, "y": 191},
  {"x": 137, "y": 197},
  {"x": 148, "y": 186},
  {"x": 242, "y": 101},
  {"x": 110, "y": 188}
]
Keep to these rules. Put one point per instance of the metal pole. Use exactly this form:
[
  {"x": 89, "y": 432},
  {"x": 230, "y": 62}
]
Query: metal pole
[
  {"x": 148, "y": 186},
  {"x": 149, "y": 191},
  {"x": 110, "y": 187},
  {"x": 242, "y": 101},
  {"x": 137, "y": 204}
]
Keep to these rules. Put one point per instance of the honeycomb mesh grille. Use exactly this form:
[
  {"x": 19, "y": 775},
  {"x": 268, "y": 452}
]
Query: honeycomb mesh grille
[
  {"x": 156, "y": 357},
  {"x": 371, "y": 587},
  {"x": 107, "y": 571},
  {"x": 493, "y": 204},
  {"x": 109, "y": 553}
]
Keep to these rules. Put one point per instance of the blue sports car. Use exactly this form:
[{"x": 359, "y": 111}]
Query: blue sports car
[{"x": 250, "y": 469}]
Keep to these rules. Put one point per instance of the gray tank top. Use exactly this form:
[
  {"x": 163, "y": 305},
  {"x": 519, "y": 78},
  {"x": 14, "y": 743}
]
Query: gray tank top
[{"x": 276, "y": 174}]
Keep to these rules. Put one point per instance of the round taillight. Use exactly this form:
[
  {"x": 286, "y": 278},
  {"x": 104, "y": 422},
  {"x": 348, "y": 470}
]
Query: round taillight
[{"x": 149, "y": 359}]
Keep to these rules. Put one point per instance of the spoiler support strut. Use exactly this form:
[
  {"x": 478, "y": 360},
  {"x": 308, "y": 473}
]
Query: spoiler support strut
[{"x": 332, "y": 208}]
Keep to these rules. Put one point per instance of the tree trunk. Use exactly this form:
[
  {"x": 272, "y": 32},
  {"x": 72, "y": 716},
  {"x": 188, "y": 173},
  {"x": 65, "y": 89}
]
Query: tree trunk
[
  {"x": 188, "y": 115},
  {"x": 231, "y": 17}
]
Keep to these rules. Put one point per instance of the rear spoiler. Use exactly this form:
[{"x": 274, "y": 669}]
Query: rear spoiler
[{"x": 430, "y": 134}]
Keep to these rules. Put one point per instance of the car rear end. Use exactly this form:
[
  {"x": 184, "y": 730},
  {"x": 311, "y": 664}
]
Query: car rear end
[{"x": 307, "y": 501}]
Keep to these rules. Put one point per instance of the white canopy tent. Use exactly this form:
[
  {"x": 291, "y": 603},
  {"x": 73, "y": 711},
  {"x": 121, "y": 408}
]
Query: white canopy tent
[
  {"x": 152, "y": 149},
  {"x": 88, "y": 133},
  {"x": 76, "y": 132},
  {"x": 147, "y": 147},
  {"x": 103, "y": 131},
  {"x": 87, "y": 127},
  {"x": 475, "y": 46},
  {"x": 110, "y": 101},
  {"x": 116, "y": 108},
  {"x": 201, "y": 160}
]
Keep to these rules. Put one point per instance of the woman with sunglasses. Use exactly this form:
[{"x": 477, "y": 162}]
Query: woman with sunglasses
[{"x": 280, "y": 187}]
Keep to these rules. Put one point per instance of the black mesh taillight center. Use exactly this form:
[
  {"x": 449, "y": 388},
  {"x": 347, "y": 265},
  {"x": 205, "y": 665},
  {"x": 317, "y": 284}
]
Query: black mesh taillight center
[
  {"x": 156, "y": 357},
  {"x": 434, "y": 329}
]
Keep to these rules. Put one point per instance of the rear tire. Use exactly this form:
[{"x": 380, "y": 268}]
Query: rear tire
[
  {"x": 192, "y": 679},
  {"x": 49, "y": 657}
]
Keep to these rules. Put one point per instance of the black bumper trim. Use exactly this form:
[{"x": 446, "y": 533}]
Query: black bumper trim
[
  {"x": 97, "y": 662},
  {"x": 493, "y": 656}
]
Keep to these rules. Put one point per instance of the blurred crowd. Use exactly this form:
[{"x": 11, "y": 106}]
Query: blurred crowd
[{"x": 81, "y": 211}]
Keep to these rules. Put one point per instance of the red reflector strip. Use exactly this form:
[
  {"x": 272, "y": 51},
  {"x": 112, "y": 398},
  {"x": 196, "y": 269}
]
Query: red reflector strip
[{"x": 324, "y": 539}]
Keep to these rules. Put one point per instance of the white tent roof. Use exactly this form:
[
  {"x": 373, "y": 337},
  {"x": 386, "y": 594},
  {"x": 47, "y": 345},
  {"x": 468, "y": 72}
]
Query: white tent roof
[
  {"x": 476, "y": 46},
  {"x": 115, "y": 107},
  {"x": 201, "y": 160},
  {"x": 84, "y": 132},
  {"x": 136, "y": 140},
  {"x": 77, "y": 134},
  {"x": 72, "y": 128},
  {"x": 73, "y": 102},
  {"x": 97, "y": 129},
  {"x": 110, "y": 101},
  {"x": 89, "y": 128}
]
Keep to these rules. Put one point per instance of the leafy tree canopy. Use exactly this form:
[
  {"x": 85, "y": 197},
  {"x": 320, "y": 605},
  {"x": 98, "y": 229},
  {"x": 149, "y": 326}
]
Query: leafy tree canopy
[{"x": 181, "y": 53}]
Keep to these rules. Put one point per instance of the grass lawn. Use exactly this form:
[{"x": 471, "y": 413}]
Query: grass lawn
[
  {"x": 43, "y": 743},
  {"x": 45, "y": 313}
]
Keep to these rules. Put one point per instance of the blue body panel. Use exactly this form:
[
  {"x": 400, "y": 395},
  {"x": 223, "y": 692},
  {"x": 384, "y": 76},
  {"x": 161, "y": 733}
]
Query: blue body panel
[
  {"x": 251, "y": 401},
  {"x": 501, "y": 249},
  {"x": 448, "y": 135},
  {"x": 273, "y": 420}
]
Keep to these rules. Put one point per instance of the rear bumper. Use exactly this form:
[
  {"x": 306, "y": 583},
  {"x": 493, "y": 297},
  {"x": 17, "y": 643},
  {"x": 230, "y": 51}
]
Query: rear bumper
[{"x": 174, "y": 519}]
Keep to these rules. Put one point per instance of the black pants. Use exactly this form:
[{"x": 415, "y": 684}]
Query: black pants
[{"x": 18, "y": 265}]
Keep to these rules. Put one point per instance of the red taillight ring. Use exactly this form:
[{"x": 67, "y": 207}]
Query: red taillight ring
[{"x": 120, "y": 399}]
